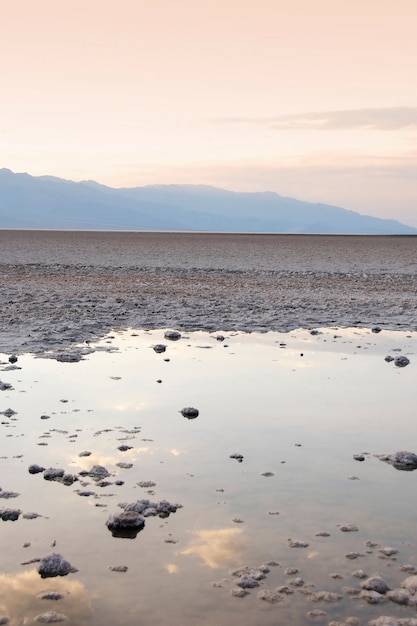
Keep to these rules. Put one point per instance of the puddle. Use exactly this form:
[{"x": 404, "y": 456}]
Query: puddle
[{"x": 264, "y": 473}]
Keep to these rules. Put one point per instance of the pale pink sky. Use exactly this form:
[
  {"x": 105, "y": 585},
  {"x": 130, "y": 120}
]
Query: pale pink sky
[{"x": 315, "y": 99}]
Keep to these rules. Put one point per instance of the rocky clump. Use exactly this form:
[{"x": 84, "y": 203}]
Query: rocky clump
[
  {"x": 68, "y": 357},
  {"x": 375, "y": 583},
  {"x": 159, "y": 348},
  {"x": 55, "y": 565},
  {"x": 35, "y": 469},
  {"x": 172, "y": 335},
  {"x": 58, "y": 474},
  {"x": 9, "y": 514},
  {"x": 189, "y": 412},
  {"x": 126, "y": 524},
  {"x": 401, "y": 460},
  {"x": 238, "y": 457},
  {"x": 401, "y": 361},
  {"x": 97, "y": 472},
  {"x": 131, "y": 520},
  {"x": 50, "y": 618},
  {"x": 384, "y": 620}
]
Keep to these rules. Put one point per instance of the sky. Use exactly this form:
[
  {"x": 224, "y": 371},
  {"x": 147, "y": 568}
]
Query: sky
[{"x": 313, "y": 99}]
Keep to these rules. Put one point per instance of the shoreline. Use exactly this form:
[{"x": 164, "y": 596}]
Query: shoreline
[{"x": 47, "y": 307}]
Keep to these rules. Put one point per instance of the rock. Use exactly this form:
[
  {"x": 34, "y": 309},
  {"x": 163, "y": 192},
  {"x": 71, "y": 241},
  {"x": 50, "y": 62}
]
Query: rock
[
  {"x": 399, "y": 596},
  {"x": 50, "y": 618},
  {"x": 172, "y": 335},
  {"x": 296, "y": 582},
  {"x": 146, "y": 484},
  {"x": 85, "y": 453},
  {"x": 410, "y": 583},
  {"x": 247, "y": 582},
  {"x": 124, "y": 447},
  {"x": 296, "y": 543},
  {"x": 401, "y": 460},
  {"x": 55, "y": 565},
  {"x": 389, "y": 358},
  {"x": 189, "y": 412},
  {"x": 401, "y": 361},
  {"x": 388, "y": 551},
  {"x": 10, "y": 514},
  {"x": 326, "y": 596},
  {"x": 51, "y": 595},
  {"x": 348, "y": 528},
  {"x": 359, "y": 573},
  {"x": 6, "y": 495},
  {"x": 126, "y": 524},
  {"x": 384, "y": 620},
  {"x": 4, "y": 619},
  {"x": 118, "y": 568},
  {"x": 5, "y": 386},
  {"x": 69, "y": 357},
  {"x": 372, "y": 597},
  {"x": 97, "y": 472},
  {"x": 35, "y": 469},
  {"x": 238, "y": 593},
  {"x": 159, "y": 348},
  {"x": 268, "y": 595},
  {"x": 238, "y": 457},
  {"x": 54, "y": 473},
  {"x": 376, "y": 329},
  {"x": 124, "y": 465},
  {"x": 359, "y": 457},
  {"x": 375, "y": 583}
]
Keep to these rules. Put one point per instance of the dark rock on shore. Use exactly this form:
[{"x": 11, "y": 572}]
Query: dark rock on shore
[{"x": 172, "y": 335}]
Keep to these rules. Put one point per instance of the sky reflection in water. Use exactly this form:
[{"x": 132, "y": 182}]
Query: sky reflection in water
[{"x": 296, "y": 406}]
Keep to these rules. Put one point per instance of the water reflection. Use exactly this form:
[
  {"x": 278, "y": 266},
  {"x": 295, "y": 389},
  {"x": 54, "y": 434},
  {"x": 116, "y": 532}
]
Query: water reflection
[
  {"x": 296, "y": 406},
  {"x": 217, "y": 548},
  {"x": 21, "y": 599}
]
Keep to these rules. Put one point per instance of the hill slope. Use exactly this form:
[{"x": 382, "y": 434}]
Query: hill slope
[{"x": 47, "y": 202}]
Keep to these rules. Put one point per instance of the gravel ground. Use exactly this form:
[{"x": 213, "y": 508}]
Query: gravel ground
[{"x": 47, "y": 306}]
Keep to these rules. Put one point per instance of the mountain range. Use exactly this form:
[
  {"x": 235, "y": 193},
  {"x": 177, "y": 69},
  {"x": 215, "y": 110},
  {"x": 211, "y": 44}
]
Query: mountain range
[{"x": 46, "y": 202}]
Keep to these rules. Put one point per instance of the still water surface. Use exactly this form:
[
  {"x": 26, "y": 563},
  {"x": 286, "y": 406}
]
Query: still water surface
[{"x": 297, "y": 406}]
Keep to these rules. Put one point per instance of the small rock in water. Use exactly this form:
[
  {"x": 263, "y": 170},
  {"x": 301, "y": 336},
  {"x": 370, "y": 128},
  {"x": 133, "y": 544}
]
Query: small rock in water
[
  {"x": 50, "y": 618},
  {"x": 13, "y": 358},
  {"x": 401, "y": 361},
  {"x": 173, "y": 335},
  {"x": 375, "y": 583},
  {"x": 159, "y": 348},
  {"x": 376, "y": 329},
  {"x": 401, "y": 460},
  {"x": 51, "y": 595},
  {"x": 10, "y": 514},
  {"x": 124, "y": 465},
  {"x": 348, "y": 528},
  {"x": 238, "y": 457},
  {"x": 189, "y": 412},
  {"x": 325, "y": 596},
  {"x": 359, "y": 457},
  {"x": 85, "y": 453},
  {"x": 5, "y": 386},
  {"x": 55, "y": 565},
  {"x": 35, "y": 469},
  {"x": 296, "y": 543},
  {"x": 118, "y": 568},
  {"x": 124, "y": 448},
  {"x": 372, "y": 597},
  {"x": 268, "y": 595},
  {"x": 126, "y": 524}
]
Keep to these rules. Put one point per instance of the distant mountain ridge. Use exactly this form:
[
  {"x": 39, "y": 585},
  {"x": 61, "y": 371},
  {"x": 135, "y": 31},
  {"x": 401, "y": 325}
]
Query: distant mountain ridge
[{"x": 47, "y": 202}]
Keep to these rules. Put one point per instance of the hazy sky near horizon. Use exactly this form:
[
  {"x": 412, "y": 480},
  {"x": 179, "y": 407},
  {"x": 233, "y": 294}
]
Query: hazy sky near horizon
[{"x": 314, "y": 99}]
